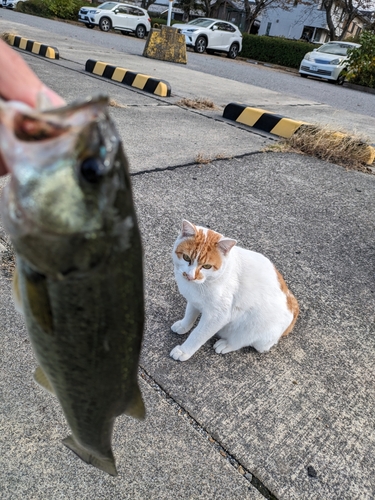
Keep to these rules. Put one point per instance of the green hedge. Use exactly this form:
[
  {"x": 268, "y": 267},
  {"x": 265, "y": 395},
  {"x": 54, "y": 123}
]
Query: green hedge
[
  {"x": 160, "y": 20},
  {"x": 68, "y": 9},
  {"x": 275, "y": 50}
]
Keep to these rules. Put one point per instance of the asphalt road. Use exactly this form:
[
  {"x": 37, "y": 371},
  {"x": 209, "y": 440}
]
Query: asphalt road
[{"x": 289, "y": 84}]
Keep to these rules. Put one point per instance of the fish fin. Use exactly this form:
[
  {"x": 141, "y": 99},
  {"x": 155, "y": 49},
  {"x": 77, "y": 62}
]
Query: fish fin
[
  {"x": 17, "y": 292},
  {"x": 136, "y": 407},
  {"x": 41, "y": 378},
  {"x": 37, "y": 294},
  {"x": 106, "y": 464}
]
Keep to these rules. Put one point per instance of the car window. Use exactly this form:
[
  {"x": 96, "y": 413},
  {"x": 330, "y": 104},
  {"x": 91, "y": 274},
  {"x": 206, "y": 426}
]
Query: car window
[
  {"x": 204, "y": 23},
  {"x": 228, "y": 27},
  {"x": 107, "y": 6},
  {"x": 123, "y": 10},
  {"x": 219, "y": 26},
  {"x": 135, "y": 12},
  {"x": 337, "y": 49}
]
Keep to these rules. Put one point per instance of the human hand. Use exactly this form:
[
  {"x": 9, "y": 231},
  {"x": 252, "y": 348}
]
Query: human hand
[{"x": 19, "y": 83}]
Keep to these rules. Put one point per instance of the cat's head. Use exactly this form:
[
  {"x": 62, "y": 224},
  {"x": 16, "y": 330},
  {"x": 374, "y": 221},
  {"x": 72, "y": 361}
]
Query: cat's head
[{"x": 200, "y": 254}]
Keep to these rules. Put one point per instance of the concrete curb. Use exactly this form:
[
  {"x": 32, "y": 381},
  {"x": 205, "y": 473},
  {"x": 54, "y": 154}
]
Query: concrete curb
[
  {"x": 34, "y": 47},
  {"x": 137, "y": 80},
  {"x": 275, "y": 124}
]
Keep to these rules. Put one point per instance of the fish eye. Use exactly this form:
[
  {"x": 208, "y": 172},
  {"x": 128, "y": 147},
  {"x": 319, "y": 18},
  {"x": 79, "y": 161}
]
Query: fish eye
[
  {"x": 91, "y": 170},
  {"x": 186, "y": 257},
  {"x": 207, "y": 266}
]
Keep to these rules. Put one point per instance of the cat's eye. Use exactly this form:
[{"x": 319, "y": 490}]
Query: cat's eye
[
  {"x": 186, "y": 257},
  {"x": 207, "y": 266}
]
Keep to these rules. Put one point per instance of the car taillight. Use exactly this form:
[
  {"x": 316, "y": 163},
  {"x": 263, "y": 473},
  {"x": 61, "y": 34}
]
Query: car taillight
[{"x": 149, "y": 19}]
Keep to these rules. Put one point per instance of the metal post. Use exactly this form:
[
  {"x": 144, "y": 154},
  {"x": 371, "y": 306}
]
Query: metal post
[{"x": 169, "y": 12}]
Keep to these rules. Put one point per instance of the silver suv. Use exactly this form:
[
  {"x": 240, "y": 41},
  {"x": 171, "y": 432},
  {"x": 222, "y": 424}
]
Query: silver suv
[{"x": 119, "y": 16}]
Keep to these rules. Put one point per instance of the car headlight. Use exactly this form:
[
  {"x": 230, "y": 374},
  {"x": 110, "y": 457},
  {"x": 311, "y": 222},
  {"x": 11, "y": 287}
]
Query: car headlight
[
  {"x": 336, "y": 61},
  {"x": 308, "y": 56},
  {"x": 191, "y": 30}
]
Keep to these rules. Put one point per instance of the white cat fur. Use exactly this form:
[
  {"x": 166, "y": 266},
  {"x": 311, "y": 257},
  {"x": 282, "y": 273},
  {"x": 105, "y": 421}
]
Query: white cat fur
[{"x": 242, "y": 303}]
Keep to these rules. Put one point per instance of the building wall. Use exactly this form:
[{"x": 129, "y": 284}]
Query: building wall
[{"x": 290, "y": 23}]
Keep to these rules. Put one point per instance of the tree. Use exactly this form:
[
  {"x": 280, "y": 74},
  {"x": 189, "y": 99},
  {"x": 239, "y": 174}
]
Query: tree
[
  {"x": 187, "y": 6},
  {"x": 341, "y": 13},
  {"x": 256, "y": 7}
]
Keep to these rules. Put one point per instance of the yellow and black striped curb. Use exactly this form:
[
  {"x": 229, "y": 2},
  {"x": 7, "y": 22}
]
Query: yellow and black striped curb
[
  {"x": 34, "y": 47},
  {"x": 137, "y": 80},
  {"x": 262, "y": 120},
  {"x": 277, "y": 124}
]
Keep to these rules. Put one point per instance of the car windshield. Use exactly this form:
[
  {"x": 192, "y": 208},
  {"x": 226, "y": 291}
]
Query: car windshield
[
  {"x": 107, "y": 5},
  {"x": 338, "y": 49},
  {"x": 201, "y": 22}
]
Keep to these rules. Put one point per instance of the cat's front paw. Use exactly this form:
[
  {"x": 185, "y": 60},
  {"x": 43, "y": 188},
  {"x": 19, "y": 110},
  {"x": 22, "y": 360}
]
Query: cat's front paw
[
  {"x": 179, "y": 327},
  {"x": 222, "y": 347},
  {"x": 178, "y": 354}
]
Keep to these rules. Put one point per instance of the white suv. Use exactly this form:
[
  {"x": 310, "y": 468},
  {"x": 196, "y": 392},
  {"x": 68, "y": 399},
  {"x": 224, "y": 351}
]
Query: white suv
[
  {"x": 10, "y": 4},
  {"x": 119, "y": 16}
]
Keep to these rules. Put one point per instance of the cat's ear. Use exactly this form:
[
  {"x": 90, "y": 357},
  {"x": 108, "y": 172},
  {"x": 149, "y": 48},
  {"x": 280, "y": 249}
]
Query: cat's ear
[
  {"x": 187, "y": 229},
  {"x": 225, "y": 245}
]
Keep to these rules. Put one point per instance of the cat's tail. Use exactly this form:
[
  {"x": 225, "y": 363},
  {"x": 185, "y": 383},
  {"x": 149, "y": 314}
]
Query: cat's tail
[{"x": 291, "y": 303}]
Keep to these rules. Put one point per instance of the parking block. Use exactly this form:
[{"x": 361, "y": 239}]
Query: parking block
[
  {"x": 31, "y": 46},
  {"x": 122, "y": 75}
]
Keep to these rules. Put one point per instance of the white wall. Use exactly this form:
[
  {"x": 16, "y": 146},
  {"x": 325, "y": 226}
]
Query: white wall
[{"x": 290, "y": 23}]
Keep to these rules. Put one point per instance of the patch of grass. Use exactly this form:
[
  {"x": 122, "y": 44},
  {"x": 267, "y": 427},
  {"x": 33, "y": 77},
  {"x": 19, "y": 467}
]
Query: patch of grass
[
  {"x": 7, "y": 36},
  {"x": 115, "y": 104},
  {"x": 204, "y": 160},
  {"x": 199, "y": 103},
  {"x": 350, "y": 151}
]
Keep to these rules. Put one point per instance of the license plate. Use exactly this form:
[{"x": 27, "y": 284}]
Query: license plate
[{"x": 314, "y": 68}]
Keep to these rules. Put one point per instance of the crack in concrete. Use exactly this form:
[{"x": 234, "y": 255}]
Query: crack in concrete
[{"x": 240, "y": 469}]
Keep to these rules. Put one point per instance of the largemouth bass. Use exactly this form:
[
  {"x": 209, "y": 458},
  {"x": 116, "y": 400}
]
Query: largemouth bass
[{"x": 69, "y": 212}]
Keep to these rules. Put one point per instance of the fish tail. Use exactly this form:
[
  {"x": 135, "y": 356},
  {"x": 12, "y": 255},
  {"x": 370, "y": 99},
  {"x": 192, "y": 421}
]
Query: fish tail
[
  {"x": 106, "y": 464},
  {"x": 136, "y": 407}
]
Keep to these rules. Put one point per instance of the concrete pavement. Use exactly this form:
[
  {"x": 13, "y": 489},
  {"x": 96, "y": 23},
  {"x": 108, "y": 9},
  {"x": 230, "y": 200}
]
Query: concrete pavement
[{"x": 296, "y": 423}]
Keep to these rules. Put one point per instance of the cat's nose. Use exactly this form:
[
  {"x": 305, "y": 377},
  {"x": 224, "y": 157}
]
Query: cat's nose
[{"x": 187, "y": 276}]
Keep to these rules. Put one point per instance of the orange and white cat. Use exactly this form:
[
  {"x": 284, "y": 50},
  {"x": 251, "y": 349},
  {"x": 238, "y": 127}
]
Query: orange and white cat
[{"x": 240, "y": 295}]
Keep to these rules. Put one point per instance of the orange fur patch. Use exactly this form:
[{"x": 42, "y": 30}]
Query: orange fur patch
[
  {"x": 291, "y": 302},
  {"x": 202, "y": 247}
]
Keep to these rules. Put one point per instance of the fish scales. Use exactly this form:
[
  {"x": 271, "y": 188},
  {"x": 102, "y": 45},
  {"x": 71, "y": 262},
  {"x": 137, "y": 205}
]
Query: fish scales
[{"x": 80, "y": 277}]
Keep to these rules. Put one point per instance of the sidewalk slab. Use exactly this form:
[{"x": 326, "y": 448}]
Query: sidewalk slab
[
  {"x": 307, "y": 405},
  {"x": 162, "y": 457}
]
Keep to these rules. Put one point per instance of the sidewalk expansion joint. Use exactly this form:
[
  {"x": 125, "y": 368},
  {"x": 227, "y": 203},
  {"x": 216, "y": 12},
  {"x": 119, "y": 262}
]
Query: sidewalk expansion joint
[
  {"x": 197, "y": 163},
  {"x": 181, "y": 412}
]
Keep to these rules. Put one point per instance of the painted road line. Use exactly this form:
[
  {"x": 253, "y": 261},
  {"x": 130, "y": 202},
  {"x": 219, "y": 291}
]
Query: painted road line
[{"x": 122, "y": 75}]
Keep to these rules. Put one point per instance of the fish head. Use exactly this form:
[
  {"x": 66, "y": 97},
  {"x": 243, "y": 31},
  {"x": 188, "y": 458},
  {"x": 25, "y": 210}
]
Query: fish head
[{"x": 68, "y": 195}]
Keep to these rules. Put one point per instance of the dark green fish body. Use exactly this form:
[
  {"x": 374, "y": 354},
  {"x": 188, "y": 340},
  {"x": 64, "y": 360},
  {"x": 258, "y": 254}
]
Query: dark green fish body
[{"x": 79, "y": 263}]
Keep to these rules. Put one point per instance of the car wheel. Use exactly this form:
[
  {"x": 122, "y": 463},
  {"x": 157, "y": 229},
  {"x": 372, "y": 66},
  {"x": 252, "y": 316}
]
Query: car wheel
[
  {"x": 341, "y": 79},
  {"x": 233, "y": 51},
  {"x": 90, "y": 26},
  {"x": 105, "y": 24},
  {"x": 303, "y": 75},
  {"x": 140, "y": 31},
  {"x": 200, "y": 44}
]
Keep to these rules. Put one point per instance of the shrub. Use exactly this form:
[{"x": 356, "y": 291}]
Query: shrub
[
  {"x": 362, "y": 61},
  {"x": 34, "y": 7},
  {"x": 160, "y": 20},
  {"x": 52, "y": 8},
  {"x": 275, "y": 50}
]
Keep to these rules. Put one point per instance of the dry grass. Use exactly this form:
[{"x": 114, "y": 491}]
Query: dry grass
[
  {"x": 204, "y": 160},
  {"x": 116, "y": 104},
  {"x": 199, "y": 103},
  {"x": 7, "y": 36},
  {"x": 349, "y": 151}
]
